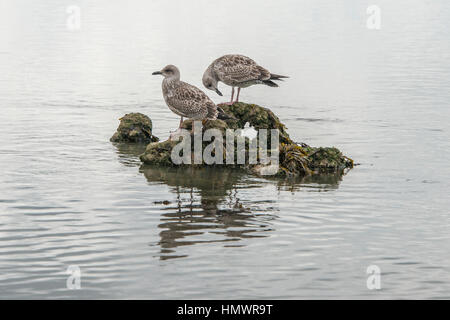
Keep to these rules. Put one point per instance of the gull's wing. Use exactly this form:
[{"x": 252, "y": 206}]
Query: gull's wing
[
  {"x": 191, "y": 102},
  {"x": 235, "y": 68}
]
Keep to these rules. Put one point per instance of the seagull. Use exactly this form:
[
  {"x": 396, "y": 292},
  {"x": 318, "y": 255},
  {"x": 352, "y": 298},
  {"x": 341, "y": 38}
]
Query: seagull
[
  {"x": 239, "y": 71},
  {"x": 184, "y": 99}
]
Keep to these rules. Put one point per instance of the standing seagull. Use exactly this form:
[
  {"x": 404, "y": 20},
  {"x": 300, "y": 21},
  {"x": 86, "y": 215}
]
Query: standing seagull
[
  {"x": 184, "y": 99},
  {"x": 239, "y": 71}
]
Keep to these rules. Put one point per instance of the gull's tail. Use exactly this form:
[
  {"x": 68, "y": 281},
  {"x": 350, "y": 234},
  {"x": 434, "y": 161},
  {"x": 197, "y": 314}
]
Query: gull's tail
[
  {"x": 278, "y": 77},
  {"x": 270, "y": 83},
  {"x": 275, "y": 77}
]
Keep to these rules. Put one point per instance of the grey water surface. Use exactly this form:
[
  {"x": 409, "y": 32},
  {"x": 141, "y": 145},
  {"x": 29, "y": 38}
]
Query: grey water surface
[{"x": 69, "y": 197}]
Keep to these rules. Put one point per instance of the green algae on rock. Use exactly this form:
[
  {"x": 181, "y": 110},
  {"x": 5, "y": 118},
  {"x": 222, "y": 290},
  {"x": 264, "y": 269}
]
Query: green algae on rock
[
  {"x": 257, "y": 117},
  {"x": 159, "y": 153},
  {"x": 306, "y": 160},
  {"x": 134, "y": 127},
  {"x": 294, "y": 159}
]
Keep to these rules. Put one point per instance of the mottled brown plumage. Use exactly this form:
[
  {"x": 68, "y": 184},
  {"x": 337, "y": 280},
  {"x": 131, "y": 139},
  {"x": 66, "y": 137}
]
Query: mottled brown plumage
[
  {"x": 239, "y": 71},
  {"x": 184, "y": 99}
]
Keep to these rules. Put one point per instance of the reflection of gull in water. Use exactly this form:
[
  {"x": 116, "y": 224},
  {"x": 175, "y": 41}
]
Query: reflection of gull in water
[{"x": 213, "y": 212}]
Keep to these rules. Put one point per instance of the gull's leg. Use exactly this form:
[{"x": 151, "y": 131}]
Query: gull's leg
[
  {"x": 174, "y": 134},
  {"x": 232, "y": 96},
  {"x": 237, "y": 97}
]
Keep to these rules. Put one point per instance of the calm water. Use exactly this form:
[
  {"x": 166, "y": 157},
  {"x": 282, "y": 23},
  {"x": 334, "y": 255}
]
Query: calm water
[{"x": 70, "y": 197}]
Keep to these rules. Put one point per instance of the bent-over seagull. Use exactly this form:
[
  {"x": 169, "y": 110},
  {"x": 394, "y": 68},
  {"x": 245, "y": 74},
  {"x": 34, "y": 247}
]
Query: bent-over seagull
[{"x": 239, "y": 71}]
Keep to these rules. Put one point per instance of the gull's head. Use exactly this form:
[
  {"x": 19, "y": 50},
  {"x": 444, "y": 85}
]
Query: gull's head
[
  {"x": 210, "y": 82},
  {"x": 169, "y": 72}
]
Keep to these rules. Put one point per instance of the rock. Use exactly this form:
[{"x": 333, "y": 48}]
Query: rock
[
  {"x": 208, "y": 124},
  {"x": 306, "y": 160},
  {"x": 159, "y": 153},
  {"x": 258, "y": 117},
  {"x": 294, "y": 159},
  {"x": 134, "y": 127}
]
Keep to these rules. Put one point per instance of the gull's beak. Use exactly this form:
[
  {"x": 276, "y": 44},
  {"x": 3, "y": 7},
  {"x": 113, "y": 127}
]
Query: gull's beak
[
  {"x": 156, "y": 72},
  {"x": 218, "y": 92}
]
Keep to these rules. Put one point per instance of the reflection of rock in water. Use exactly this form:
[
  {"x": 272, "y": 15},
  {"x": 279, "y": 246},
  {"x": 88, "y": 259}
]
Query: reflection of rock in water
[
  {"x": 212, "y": 184},
  {"x": 322, "y": 182},
  {"x": 212, "y": 212},
  {"x": 208, "y": 208},
  {"x": 129, "y": 153}
]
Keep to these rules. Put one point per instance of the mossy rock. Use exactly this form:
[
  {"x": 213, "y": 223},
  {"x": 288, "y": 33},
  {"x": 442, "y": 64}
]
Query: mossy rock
[
  {"x": 294, "y": 159},
  {"x": 306, "y": 160},
  {"x": 207, "y": 124},
  {"x": 159, "y": 153},
  {"x": 258, "y": 117},
  {"x": 134, "y": 127}
]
